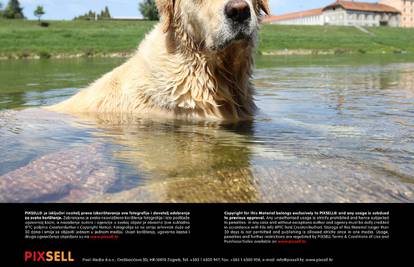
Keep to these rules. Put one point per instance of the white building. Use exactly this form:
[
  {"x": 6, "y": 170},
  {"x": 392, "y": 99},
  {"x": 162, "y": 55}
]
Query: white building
[{"x": 343, "y": 13}]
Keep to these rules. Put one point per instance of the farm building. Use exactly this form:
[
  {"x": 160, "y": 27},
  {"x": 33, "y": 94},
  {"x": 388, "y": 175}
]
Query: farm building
[{"x": 343, "y": 13}]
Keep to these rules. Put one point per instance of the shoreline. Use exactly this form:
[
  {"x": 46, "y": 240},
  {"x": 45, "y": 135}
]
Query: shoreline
[
  {"x": 17, "y": 56},
  {"x": 279, "y": 52}
]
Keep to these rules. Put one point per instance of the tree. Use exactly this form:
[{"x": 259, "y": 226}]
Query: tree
[
  {"x": 105, "y": 14},
  {"x": 1, "y": 9},
  {"x": 149, "y": 10},
  {"x": 39, "y": 12},
  {"x": 13, "y": 10}
]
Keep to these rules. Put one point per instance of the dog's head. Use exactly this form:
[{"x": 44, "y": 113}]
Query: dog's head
[{"x": 213, "y": 24}]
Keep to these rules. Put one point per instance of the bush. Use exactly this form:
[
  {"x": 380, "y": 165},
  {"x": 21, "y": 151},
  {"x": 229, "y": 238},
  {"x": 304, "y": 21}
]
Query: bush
[
  {"x": 89, "y": 52},
  {"x": 44, "y": 55},
  {"x": 44, "y": 24},
  {"x": 23, "y": 55}
]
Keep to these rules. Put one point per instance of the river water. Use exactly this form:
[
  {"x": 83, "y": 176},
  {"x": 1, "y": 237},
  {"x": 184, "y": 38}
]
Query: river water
[{"x": 330, "y": 129}]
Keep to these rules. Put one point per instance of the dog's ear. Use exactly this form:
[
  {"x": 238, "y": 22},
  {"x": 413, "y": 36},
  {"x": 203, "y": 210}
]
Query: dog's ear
[
  {"x": 166, "y": 11},
  {"x": 264, "y": 5}
]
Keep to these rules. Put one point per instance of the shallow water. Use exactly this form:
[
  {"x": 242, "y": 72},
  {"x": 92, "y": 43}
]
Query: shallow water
[{"x": 330, "y": 130}]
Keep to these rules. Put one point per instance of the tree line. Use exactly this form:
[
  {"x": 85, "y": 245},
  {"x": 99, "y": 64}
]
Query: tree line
[
  {"x": 147, "y": 8},
  {"x": 91, "y": 15},
  {"x": 13, "y": 10}
]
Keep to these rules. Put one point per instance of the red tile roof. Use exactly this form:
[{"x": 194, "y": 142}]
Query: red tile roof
[
  {"x": 362, "y": 6},
  {"x": 301, "y": 14}
]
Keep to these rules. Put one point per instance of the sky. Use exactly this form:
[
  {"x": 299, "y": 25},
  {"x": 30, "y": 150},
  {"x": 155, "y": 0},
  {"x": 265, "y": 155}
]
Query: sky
[{"x": 68, "y": 9}]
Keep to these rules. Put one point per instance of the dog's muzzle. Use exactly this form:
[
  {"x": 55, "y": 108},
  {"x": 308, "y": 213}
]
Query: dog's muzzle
[
  {"x": 237, "y": 11},
  {"x": 238, "y": 24},
  {"x": 238, "y": 17}
]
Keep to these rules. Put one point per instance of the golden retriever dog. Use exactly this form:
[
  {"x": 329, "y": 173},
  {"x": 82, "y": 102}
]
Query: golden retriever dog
[{"x": 195, "y": 64}]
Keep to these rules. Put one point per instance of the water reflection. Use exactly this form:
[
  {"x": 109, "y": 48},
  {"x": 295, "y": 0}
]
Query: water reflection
[{"x": 184, "y": 161}]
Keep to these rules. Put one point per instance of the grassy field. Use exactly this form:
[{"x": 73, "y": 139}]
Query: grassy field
[
  {"x": 335, "y": 39},
  {"x": 25, "y": 39}
]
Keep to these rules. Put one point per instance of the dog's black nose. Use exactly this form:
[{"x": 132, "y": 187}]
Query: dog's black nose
[{"x": 237, "y": 10}]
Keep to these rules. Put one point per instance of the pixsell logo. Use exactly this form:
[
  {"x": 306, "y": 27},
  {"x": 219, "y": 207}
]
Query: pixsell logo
[{"x": 48, "y": 256}]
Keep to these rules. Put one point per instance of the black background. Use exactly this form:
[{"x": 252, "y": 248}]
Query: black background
[{"x": 206, "y": 239}]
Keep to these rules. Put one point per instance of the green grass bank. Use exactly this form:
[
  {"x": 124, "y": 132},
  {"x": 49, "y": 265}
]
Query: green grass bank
[{"x": 26, "y": 39}]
